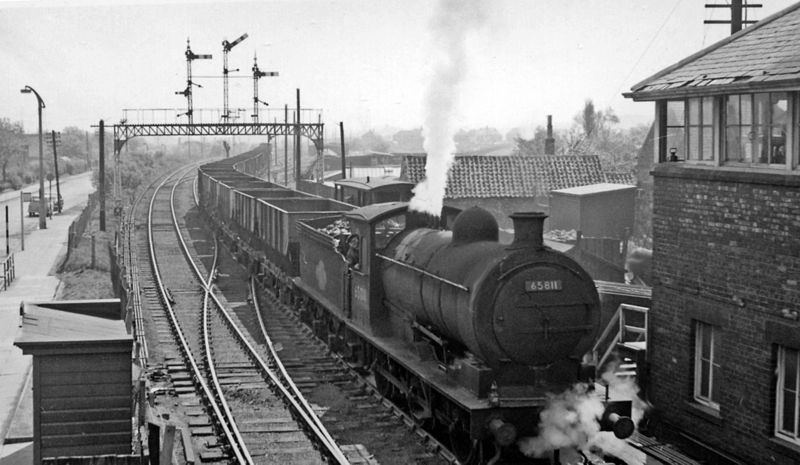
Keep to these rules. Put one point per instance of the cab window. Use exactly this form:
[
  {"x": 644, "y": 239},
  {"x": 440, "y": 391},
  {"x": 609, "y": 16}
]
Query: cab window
[{"x": 385, "y": 230}]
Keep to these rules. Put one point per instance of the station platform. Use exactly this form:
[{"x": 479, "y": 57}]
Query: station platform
[{"x": 35, "y": 281}]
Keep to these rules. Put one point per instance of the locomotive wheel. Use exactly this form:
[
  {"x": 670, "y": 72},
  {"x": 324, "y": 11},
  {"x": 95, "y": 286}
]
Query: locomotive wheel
[
  {"x": 383, "y": 386},
  {"x": 464, "y": 448},
  {"x": 419, "y": 403}
]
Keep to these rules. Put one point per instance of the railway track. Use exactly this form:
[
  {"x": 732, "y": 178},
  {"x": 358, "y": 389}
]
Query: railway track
[
  {"x": 214, "y": 368},
  {"x": 176, "y": 394},
  {"x": 349, "y": 406},
  {"x": 258, "y": 419}
]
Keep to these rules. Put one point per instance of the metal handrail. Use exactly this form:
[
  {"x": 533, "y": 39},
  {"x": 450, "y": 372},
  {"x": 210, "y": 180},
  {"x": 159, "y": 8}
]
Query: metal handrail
[
  {"x": 618, "y": 321},
  {"x": 423, "y": 272},
  {"x": 612, "y": 323}
]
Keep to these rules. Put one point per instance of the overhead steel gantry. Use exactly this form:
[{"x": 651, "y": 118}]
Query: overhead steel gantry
[{"x": 124, "y": 132}]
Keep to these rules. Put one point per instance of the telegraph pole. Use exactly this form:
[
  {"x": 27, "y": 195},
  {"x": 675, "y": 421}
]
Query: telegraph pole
[
  {"x": 738, "y": 9},
  {"x": 286, "y": 145},
  {"x": 297, "y": 143},
  {"x": 55, "y": 165},
  {"x": 341, "y": 139},
  {"x": 102, "y": 176}
]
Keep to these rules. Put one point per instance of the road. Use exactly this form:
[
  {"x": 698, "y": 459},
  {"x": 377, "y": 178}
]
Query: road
[{"x": 74, "y": 190}]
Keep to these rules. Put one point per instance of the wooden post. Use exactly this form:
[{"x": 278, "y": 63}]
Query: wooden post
[
  {"x": 8, "y": 247},
  {"x": 102, "y": 177},
  {"x": 341, "y": 141},
  {"x": 153, "y": 442},
  {"x": 286, "y": 146},
  {"x": 93, "y": 251},
  {"x": 165, "y": 455},
  {"x": 55, "y": 166},
  {"x": 297, "y": 150},
  {"x": 21, "y": 220}
]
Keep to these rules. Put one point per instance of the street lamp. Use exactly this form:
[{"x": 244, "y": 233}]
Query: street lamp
[{"x": 42, "y": 205}]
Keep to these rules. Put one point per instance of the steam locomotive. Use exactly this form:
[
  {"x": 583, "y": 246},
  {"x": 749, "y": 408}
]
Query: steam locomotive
[{"x": 469, "y": 334}]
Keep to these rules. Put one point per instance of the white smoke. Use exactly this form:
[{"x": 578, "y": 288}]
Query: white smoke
[
  {"x": 451, "y": 24},
  {"x": 572, "y": 420}
]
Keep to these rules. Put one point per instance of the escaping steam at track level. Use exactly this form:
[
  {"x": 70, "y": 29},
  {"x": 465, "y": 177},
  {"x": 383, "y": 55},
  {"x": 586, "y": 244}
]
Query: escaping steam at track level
[
  {"x": 452, "y": 22},
  {"x": 572, "y": 420}
]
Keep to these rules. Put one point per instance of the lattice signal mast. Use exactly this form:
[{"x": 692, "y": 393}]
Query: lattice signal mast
[
  {"x": 226, "y": 47},
  {"x": 258, "y": 74},
  {"x": 190, "y": 57}
]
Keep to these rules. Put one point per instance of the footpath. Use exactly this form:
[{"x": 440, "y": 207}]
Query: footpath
[{"x": 34, "y": 281}]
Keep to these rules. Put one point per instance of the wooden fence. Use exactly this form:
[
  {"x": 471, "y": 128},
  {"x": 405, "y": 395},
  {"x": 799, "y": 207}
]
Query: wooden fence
[
  {"x": 78, "y": 226},
  {"x": 8, "y": 271}
]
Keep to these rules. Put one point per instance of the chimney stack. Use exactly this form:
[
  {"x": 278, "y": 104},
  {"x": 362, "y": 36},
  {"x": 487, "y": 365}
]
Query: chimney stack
[
  {"x": 549, "y": 142},
  {"x": 528, "y": 229}
]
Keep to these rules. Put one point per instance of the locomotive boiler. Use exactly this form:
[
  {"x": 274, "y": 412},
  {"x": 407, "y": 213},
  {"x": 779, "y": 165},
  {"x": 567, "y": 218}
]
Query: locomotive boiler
[{"x": 519, "y": 304}]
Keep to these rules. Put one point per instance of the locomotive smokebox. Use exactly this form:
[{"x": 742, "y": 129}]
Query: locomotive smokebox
[{"x": 528, "y": 229}]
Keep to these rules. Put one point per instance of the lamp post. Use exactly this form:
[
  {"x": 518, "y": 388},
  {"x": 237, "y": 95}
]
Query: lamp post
[{"x": 42, "y": 205}]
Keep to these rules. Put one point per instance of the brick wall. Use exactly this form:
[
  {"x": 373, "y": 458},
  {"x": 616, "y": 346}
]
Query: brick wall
[{"x": 727, "y": 250}]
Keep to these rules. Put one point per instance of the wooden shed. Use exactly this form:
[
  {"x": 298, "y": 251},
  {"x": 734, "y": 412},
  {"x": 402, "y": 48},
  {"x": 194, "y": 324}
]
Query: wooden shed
[
  {"x": 81, "y": 377},
  {"x": 597, "y": 210}
]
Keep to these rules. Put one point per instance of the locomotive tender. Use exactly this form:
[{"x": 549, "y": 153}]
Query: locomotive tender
[{"x": 469, "y": 334}]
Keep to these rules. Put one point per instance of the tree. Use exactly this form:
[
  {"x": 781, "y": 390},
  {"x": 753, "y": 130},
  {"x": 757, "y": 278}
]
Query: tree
[
  {"x": 12, "y": 144},
  {"x": 373, "y": 141},
  {"x": 477, "y": 139},
  {"x": 409, "y": 140}
]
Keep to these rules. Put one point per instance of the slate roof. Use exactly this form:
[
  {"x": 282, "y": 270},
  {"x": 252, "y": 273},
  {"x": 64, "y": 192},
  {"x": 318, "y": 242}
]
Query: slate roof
[
  {"x": 766, "y": 54},
  {"x": 510, "y": 176}
]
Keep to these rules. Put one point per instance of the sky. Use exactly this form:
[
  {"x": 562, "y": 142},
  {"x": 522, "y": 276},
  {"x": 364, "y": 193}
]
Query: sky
[{"x": 367, "y": 63}]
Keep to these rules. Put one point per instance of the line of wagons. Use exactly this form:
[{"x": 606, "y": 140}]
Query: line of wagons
[
  {"x": 270, "y": 213},
  {"x": 291, "y": 241}
]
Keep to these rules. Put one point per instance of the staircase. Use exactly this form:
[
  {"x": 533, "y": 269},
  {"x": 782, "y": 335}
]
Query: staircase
[{"x": 623, "y": 339}]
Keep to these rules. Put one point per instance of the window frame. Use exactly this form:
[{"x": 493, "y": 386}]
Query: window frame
[
  {"x": 780, "y": 371},
  {"x": 719, "y": 131},
  {"x": 698, "y": 396},
  {"x": 689, "y": 124},
  {"x": 789, "y": 145}
]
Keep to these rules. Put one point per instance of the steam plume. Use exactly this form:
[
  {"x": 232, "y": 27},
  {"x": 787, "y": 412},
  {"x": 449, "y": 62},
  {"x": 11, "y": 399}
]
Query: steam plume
[
  {"x": 451, "y": 24},
  {"x": 571, "y": 420}
]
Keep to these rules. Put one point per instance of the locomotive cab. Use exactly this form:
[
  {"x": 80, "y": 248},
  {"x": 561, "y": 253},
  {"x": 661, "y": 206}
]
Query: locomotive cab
[{"x": 378, "y": 226}]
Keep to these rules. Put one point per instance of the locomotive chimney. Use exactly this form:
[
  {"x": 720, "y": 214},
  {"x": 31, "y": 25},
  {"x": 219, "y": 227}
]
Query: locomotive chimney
[{"x": 528, "y": 229}]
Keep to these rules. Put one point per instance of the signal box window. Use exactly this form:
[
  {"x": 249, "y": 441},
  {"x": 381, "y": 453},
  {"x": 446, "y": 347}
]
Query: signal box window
[
  {"x": 755, "y": 128},
  {"x": 707, "y": 378},
  {"x": 676, "y": 129},
  {"x": 690, "y": 129},
  {"x": 786, "y": 399}
]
